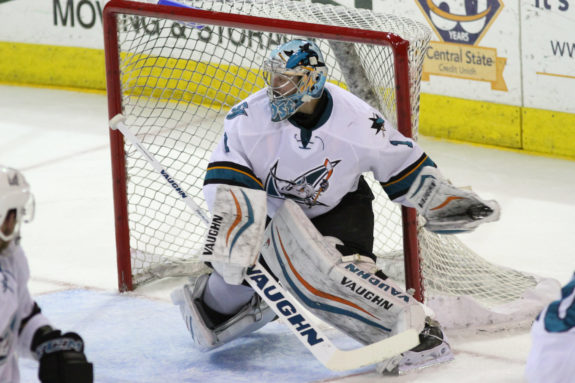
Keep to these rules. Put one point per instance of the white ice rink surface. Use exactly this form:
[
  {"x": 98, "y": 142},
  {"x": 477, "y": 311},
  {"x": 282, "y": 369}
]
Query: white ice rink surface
[{"x": 59, "y": 139}]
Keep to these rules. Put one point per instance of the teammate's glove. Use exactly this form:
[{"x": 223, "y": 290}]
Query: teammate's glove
[
  {"x": 61, "y": 357},
  {"x": 446, "y": 208}
]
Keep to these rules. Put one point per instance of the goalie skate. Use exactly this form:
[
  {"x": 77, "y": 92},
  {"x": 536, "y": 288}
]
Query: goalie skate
[
  {"x": 209, "y": 332},
  {"x": 433, "y": 349}
]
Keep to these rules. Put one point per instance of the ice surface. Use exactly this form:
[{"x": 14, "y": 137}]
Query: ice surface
[{"x": 60, "y": 140}]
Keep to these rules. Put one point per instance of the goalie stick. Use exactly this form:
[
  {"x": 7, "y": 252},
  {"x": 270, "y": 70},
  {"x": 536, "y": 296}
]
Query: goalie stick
[{"x": 284, "y": 305}]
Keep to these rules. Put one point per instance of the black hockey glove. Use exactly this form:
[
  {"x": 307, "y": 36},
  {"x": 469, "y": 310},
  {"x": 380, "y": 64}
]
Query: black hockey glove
[{"x": 61, "y": 357}]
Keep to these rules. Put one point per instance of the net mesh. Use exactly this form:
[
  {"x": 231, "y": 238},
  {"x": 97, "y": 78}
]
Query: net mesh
[{"x": 180, "y": 79}]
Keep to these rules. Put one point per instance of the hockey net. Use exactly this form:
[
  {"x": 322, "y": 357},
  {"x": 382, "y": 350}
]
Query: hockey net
[{"x": 174, "y": 72}]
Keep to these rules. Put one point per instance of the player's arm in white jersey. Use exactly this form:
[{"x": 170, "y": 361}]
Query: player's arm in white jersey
[
  {"x": 417, "y": 182},
  {"x": 24, "y": 330},
  {"x": 19, "y": 316},
  {"x": 237, "y": 201},
  {"x": 229, "y": 164},
  {"x": 550, "y": 359}
]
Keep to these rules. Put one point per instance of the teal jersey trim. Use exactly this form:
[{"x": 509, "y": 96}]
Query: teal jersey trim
[
  {"x": 399, "y": 185},
  {"x": 326, "y": 112},
  {"x": 560, "y": 315},
  {"x": 305, "y": 133},
  {"x": 231, "y": 174}
]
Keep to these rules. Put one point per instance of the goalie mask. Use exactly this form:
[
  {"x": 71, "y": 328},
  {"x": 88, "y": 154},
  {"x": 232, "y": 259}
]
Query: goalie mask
[
  {"x": 295, "y": 73},
  {"x": 14, "y": 195}
]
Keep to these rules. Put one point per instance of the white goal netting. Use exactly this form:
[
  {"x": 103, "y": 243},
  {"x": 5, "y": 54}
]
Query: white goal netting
[{"x": 179, "y": 79}]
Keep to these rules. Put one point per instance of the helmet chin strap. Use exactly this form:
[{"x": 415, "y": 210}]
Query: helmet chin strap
[
  {"x": 10, "y": 225},
  {"x": 8, "y": 237}
]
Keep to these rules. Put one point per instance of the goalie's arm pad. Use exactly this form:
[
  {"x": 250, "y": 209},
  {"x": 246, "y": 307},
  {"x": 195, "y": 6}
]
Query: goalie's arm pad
[
  {"x": 235, "y": 235},
  {"x": 228, "y": 173},
  {"x": 446, "y": 208}
]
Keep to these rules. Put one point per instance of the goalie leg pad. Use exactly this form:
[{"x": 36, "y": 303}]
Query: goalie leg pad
[
  {"x": 235, "y": 234},
  {"x": 348, "y": 295},
  {"x": 207, "y": 335}
]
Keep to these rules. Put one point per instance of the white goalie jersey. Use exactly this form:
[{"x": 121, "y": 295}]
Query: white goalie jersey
[{"x": 316, "y": 167}]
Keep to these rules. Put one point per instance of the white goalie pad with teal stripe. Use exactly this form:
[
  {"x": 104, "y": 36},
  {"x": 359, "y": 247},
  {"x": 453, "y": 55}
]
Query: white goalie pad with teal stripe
[
  {"x": 236, "y": 231},
  {"x": 343, "y": 294}
]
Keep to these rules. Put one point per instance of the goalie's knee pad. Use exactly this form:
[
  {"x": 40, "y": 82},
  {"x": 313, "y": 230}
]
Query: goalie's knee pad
[{"x": 209, "y": 333}]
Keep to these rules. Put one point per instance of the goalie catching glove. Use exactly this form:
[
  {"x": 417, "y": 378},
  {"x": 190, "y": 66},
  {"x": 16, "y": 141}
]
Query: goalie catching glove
[
  {"x": 446, "y": 208},
  {"x": 236, "y": 232}
]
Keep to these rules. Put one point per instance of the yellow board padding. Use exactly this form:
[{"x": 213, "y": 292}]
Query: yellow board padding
[
  {"x": 179, "y": 80},
  {"x": 184, "y": 80},
  {"x": 188, "y": 81},
  {"x": 546, "y": 131},
  {"x": 471, "y": 121},
  {"x": 58, "y": 66}
]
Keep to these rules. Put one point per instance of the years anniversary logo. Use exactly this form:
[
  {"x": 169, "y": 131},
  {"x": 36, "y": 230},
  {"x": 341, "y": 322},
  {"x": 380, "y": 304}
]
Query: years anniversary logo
[{"x": 461, "y": 24}]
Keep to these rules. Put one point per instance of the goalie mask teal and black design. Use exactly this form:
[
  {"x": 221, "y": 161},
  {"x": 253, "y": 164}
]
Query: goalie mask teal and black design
[{"x": 295, "y": 73}]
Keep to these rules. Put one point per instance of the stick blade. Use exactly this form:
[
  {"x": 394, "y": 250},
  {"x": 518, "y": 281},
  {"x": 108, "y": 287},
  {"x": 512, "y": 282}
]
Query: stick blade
[{"x": 342, "y": 360}]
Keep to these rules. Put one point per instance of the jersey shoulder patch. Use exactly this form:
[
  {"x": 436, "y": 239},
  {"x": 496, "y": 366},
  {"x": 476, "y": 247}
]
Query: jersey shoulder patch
[
  {"x": 378, "y": 124},
  {"x": 238, "y": 110}
]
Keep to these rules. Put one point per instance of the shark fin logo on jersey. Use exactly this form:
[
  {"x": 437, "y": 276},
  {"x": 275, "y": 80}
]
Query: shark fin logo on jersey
[
  {"x": 378, "y": 123},
  {"x": 304, "y": 189},
  {"x": 239, "y": 110}
]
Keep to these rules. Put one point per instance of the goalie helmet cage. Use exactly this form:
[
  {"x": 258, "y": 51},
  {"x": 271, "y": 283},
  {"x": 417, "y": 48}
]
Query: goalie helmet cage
[{"x": 175, "y": 72}]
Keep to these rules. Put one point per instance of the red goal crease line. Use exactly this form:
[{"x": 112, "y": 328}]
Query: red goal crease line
[{"x": 555, "y": 75}]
